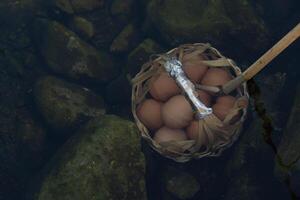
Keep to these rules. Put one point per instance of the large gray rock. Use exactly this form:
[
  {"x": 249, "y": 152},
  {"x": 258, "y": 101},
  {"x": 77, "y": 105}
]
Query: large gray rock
[
  {"x": 208, "y": 21},
  {"x": 64, "y": 105},
  {"x": 103, "y": 161},
  {"x": 288, "y": 156},
  {"x": 67, "y": 54}
]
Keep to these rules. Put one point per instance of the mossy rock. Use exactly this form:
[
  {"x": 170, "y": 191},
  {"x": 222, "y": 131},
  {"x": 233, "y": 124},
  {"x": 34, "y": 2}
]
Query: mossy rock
[
  {"x": 82, "y": 27},
  {"x": 180, "y": 22},
  {"x": 103, "y": 161},
  {"x": 123, "y": 10},
  {"x": 64, "y": 105},
  {"x": 217, "y": 22},
  {"x": 180, "y": 184},
  {"x": 66, "y": 54},
  {"x": 141, "y": 55},
  {"x": 78, "y": 6},
  {"x": 127, "y": 39}
]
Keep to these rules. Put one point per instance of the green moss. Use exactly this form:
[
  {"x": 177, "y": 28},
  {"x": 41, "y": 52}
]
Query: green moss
[
  {"x": 65, "y": 105},
  {"x": 103, "y": 161}
]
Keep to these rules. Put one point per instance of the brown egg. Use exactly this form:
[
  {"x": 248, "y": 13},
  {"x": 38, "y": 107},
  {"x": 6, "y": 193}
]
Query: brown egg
[
  {"x": 149, "y": 112},
  {"x": 166, "y": 134},
  {"x": 223, "y": 105},
  {"x": 164, "y": 87},
  {"x": 216, "y": 77},
  {"x": 177, "y": 112},
  {"x": 192, "y": 132},
  {"x": 204, "y": 97},
  {"x": 194, "y": 69}
]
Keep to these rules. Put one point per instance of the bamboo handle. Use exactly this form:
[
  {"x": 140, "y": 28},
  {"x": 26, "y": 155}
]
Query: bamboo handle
[
  {"x": 272, "y": 53},
  {"x": 263, "y": 60}
]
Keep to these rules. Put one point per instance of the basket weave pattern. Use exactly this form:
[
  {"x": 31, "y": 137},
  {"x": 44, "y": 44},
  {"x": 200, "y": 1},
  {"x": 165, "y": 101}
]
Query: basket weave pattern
[{"x": 220, "y": 134}]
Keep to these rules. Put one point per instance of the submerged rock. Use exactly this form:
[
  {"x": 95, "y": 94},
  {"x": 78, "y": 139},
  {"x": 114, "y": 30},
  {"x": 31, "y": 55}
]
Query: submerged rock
[
  {"x": 83, "y": 27},
  {"x": 86, "y": 5},
  {"x": 288, "y": 161},
  {"x": 207, "y": 21},
  {"x": 67, "y": 54},
  {"x": 71, "y": 6},
  {"x": 64, "y": 105},
  {"x": 123, "y": 10},
  {"x": 106, "y": 28},
  {"x": 180, "y": 184},
  {"x": 249, "y": 170},
  {"x": 127, "y": 39},
  {"x": 141, "y": 54},
  {"x": 103, "y": 161}
]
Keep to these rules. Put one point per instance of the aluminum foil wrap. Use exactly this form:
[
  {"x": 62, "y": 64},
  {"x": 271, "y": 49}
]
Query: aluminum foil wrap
[{"x": 174, "y": 68}]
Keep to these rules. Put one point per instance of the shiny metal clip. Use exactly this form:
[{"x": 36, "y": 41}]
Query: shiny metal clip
[{"x": 174, "y": 68}]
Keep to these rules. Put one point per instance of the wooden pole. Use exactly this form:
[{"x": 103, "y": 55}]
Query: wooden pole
[{"x": 265, "y": 59}]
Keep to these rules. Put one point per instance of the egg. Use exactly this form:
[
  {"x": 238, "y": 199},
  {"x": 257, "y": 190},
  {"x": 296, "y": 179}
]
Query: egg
[
  {"x": 164, "y": 87},
  {"x": 192, "y": 132},
  {"x": 194, "y": 68},
  {"x": 204, "y": 97},
  {"x": 177, "y": 112},
  {"x": 149, "y": 113},
  {"x": 166, "y": 134},
  {"x": 216, "y": 77},
  {"x": 223, "y": 105}
]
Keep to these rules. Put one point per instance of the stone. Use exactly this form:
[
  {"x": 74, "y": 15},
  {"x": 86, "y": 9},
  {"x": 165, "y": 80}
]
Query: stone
[
  {"x": 106, "y": 28},
  {"x": 141, "y": 55},
  {"x": 180, "y": 184},
  {"x": 102, "y": 161},
  {"x": 127, "y": 39},
  {"x": 123, "y": 10},
  {"x": 64, "y": 105},
  {"x": 82, "y": 27},
  {"x": 86, "y": 5},
  {"x": 216, "y": 22},
  {"x": 66, "y": 54},
  {"x": 64, "y": 5},
  {"x": 288, "y": 156}
]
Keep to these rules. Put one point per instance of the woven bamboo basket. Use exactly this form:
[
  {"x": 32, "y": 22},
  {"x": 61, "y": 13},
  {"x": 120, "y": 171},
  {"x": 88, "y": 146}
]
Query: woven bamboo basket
[{"x": 220, "y": 134}]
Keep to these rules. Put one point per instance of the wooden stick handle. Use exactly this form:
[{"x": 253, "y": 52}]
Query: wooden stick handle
[
  {"x": 262, "y": 62},
  {"x": 272, "y": 53}
]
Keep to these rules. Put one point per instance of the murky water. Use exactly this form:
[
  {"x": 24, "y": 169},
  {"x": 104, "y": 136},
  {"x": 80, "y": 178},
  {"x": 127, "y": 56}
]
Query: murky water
[{"x": 110, "y": 40}]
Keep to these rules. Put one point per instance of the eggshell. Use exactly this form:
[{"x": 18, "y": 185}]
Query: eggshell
[
  {"x": 177, "y": 112},
  {"x": 216, "y": 77},
  {"x": 223, "y": 105},
  {"x": 192, "y": 132},
  {"x": 194, "y": 68},
  {"x": 164, "y": 87},
  {"x": 166, "y": 134},
  {"x": 204, "y": 97},
  {"x": 149, "y": 112}
]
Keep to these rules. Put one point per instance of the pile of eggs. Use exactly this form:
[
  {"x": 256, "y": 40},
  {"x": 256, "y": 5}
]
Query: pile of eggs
[{"x": 169, "y": 115}]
